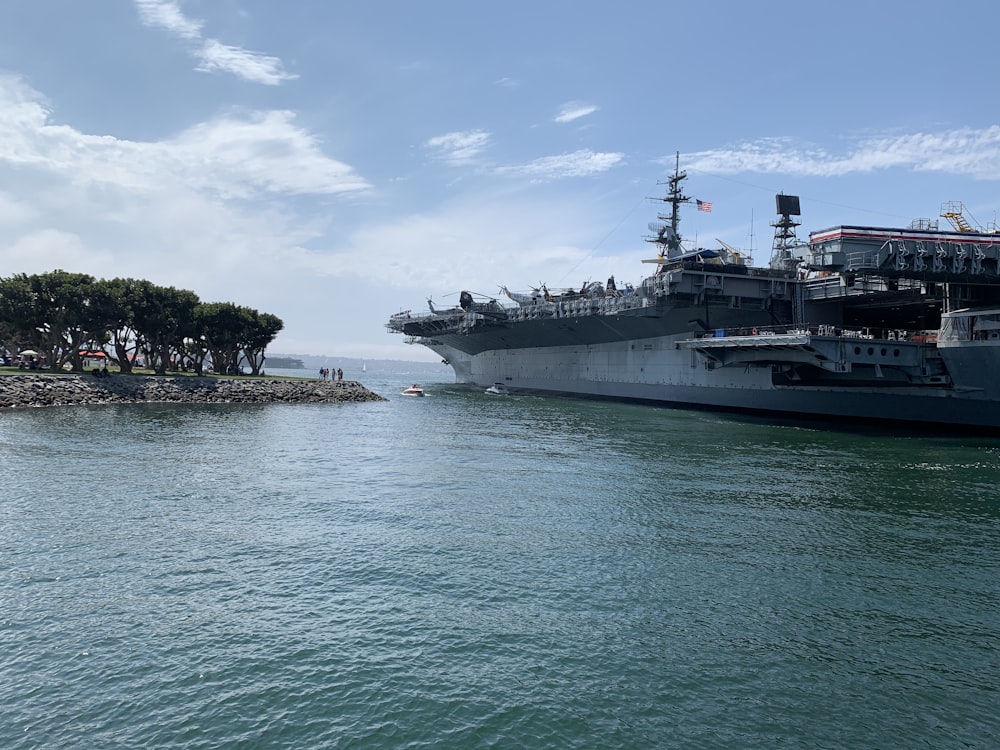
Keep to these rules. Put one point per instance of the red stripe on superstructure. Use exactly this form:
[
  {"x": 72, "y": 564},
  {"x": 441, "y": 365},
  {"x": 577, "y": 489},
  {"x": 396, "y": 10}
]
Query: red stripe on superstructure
[{"x": 902, "y": 234}]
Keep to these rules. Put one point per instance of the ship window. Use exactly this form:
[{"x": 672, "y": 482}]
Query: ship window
[
  {"x": 895, "y": 352},
  {"x": 882, "y": 352},
  {"x": 871, "y": 350},
  {"x": 857, "y": 350}
]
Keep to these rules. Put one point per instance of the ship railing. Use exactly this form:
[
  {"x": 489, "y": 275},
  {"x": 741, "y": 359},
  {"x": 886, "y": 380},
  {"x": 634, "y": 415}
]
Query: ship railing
[
  {"x": 400, "y": 319},
  {"x": 578, "y": 308},
  {"x": 861, "y": 260},
  {"x": 877, "y": 334},
  {"x": 825, "y": 288}
]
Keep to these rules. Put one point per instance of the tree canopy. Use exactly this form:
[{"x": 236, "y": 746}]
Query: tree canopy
[{"x": 61, "y": 315}]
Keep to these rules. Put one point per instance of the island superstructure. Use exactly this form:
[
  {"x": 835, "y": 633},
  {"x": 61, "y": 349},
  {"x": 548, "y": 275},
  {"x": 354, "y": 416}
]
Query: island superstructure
[{"x": 857, "y": 323}]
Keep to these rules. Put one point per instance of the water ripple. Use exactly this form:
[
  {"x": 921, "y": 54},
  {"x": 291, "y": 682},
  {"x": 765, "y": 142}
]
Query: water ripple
[{"x": 522, "y": 572}]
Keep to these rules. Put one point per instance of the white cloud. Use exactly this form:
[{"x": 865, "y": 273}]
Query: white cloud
[
  {"x": 577, "y": 164},
  {"x": 468, "y": 243},
  {"x": 54, "y": 248},
  {"x": 167, "y": 14},
  {"x": 574, "y": 111},
  {"x": 237, "y": 156},
  {"x": 459, "y": 147},
  {"x": 249, "y": 65},
  {"x": 967, "y": 152},
  {"x": 212, "y": 54},
  {"x": 232, "y": 156},
  {"x": 13, "y": 210},
  {"x": 163, "y": 211}
]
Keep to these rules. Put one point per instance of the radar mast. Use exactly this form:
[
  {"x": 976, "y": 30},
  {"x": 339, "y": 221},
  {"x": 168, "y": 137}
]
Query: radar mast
[
  {"x": 667, "y": 237},
  {"x": 784, "y": 232}
]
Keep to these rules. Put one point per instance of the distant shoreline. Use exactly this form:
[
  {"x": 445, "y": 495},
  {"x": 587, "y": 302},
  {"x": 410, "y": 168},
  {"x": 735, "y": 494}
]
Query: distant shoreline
[{"x": 34, "y": 390}]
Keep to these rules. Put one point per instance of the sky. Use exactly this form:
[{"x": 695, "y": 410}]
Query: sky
[{"x": 334, "y": 163}]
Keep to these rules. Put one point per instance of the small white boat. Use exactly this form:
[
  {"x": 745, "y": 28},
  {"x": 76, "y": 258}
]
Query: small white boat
[
  {"x": 413, "y": 390},
  {"x": 498, "y": 389}
]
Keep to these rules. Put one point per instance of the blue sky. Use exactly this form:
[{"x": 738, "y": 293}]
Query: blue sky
[{"x": 336, "y": 162}]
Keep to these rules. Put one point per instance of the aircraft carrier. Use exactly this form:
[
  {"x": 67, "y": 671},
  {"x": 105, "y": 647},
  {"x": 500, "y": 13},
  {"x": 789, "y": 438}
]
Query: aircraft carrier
[{"x": 858, "y": 323}]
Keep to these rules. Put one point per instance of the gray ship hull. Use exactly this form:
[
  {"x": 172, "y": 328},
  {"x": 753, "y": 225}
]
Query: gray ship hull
[{"x": 661, "y": 370}]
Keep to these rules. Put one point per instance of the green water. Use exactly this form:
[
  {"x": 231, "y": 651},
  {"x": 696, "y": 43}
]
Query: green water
[{"x": 470, "y": 571}]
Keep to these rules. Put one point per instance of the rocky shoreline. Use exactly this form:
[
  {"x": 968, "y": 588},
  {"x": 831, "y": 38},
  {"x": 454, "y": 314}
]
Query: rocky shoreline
[{"x": 65, "y": 390}]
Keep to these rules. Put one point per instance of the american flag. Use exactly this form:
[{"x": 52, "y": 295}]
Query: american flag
[{"x": 704, "y": 205}]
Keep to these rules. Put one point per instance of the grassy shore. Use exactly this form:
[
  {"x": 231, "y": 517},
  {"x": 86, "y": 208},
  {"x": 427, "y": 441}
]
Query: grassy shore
[{"x": 139, "y": 372}]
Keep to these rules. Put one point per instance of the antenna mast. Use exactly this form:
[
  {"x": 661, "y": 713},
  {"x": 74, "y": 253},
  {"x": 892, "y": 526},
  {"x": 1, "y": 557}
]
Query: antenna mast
[
  {"x": 784, "y": 232},
  {"x": 667, "y": 235}
]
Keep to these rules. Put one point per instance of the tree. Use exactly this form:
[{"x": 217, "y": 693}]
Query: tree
[
  {"x": 121, "y": 294},
  {"x": 55, "y": 313},
  {"x": 260, "y": 330},
  {"x": 18, "y": 313},
  {"x": 195, "y": 345},
  {"x": 8, "y": 338},
  {"x": 222, "y": 323},
  {"x": 162, "y": 317},
  {"x": 61, "y": 313}
]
